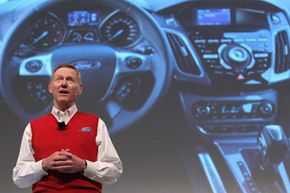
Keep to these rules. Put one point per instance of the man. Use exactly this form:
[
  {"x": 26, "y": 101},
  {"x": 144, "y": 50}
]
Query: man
[{"x": 66, "y": 150}]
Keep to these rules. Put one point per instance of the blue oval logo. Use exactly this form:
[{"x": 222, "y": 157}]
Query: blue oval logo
[{"x": 86, "y": 64}]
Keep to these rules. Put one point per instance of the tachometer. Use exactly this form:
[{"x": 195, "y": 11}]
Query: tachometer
[
  {"x": 120, "y": 30},
  {"x": 45, "y": 33}
]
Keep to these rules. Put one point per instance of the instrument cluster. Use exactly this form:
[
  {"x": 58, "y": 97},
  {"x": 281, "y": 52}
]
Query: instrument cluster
[{"x": 79, "y": 26}]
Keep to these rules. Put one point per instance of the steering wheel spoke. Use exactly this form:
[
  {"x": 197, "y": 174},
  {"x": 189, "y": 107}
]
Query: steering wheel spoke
[
  {"x": 131, "y": 63},
  {"x": 113, "y": 109},
  {"x": 127, "y": 64}
]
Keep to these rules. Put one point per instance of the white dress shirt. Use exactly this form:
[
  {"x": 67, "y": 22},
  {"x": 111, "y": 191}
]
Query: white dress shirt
[{"x": 105, "y": 170}]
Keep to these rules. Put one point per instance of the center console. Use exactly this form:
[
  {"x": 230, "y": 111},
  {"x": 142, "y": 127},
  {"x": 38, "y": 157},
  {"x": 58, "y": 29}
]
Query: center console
[{"x": 244, "y": 50}]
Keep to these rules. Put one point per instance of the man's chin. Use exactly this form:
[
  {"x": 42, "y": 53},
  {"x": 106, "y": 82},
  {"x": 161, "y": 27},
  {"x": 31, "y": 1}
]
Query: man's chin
[{"x": 64, "y": 103}]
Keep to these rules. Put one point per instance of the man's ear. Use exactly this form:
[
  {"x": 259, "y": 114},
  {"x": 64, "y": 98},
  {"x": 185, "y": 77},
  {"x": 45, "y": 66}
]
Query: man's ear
[
  {"x": 80, "y": 89},
  {"x": 49, "y": 87}
]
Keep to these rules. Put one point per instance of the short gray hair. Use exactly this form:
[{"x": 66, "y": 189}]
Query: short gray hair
[{"x": 71, "y": 66}]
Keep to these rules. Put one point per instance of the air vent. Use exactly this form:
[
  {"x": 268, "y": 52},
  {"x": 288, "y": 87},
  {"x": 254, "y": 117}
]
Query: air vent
[
  {"x": 282, "y": 60},
  {"x": 182, "y": 55}
]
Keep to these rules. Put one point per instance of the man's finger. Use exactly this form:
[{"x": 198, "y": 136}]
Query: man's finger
[
  {"x": 60, "y": 158},
  {"x": 68, "y": 154},
  {"x": 62, "y": 163}
]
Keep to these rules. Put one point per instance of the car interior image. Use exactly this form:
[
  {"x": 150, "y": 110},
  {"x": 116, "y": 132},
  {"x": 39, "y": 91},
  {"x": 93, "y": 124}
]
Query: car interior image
[{"x": 195, "y": 93}]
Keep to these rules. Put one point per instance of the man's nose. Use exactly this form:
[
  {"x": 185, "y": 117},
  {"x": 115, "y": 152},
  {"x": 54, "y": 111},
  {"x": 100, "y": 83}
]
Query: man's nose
[{"x": 64, "y": 83}]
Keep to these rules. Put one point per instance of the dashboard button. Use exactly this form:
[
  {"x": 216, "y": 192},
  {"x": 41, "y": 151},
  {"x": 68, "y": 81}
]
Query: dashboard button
[
  {"x": 266, "y": 109},
  {"x": 201, "y": 111}
]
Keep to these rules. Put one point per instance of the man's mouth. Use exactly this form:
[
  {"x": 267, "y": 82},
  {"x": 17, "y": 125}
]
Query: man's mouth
[{"x": 63, "y": 92}]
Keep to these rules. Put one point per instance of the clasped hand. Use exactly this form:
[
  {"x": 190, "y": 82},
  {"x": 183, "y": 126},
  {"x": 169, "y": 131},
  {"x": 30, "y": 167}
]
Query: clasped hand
[{"x": 64, "y": 162}]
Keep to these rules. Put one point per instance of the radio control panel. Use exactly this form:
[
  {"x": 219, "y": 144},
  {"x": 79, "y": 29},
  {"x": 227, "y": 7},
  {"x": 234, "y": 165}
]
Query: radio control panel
[{"x": 239, "y": 56}]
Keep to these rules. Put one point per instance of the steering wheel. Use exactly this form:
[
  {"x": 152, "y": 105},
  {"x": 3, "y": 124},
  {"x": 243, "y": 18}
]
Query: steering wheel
[{"x": 103, "y": 67}]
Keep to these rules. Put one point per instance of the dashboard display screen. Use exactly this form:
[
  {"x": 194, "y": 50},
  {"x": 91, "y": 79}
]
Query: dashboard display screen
[
  {"x": 213, "y": 17},
  {"x": 82, "y": 18}
]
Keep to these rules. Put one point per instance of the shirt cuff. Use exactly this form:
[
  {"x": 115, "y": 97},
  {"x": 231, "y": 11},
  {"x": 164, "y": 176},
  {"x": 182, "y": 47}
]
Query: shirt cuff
[
  {"x": 38, "y": 170},
  {"x": 90, "y": 170}
]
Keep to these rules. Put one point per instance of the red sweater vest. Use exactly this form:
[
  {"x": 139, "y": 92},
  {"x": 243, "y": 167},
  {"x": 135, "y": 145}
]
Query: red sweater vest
[{"x": 79, "y": 136}]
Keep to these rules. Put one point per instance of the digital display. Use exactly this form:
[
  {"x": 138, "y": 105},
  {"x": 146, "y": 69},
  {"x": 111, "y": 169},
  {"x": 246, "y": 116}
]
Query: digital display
[
  {"x": 213, "y": 17},
  {"x": 82, "y": 18}
]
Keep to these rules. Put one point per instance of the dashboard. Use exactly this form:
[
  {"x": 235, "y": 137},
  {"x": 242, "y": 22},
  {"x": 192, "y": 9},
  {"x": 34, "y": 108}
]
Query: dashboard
[{"x": 226, "y": 57}]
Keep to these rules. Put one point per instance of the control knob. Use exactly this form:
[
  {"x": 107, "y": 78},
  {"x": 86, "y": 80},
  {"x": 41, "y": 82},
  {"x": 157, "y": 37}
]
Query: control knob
[
  {"x": 201, "y": 111},
  {"x": 235, "y": 56},
  {"x": 266, "y": 109}
]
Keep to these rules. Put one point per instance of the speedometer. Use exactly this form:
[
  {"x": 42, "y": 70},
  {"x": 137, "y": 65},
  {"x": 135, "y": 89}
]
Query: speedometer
[
  {"x": 120, "y": 30},
  {"x": 45, "y": 33}
]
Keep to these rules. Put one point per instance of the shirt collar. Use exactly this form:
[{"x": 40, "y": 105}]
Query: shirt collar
[{"x": 64, "y": 115}]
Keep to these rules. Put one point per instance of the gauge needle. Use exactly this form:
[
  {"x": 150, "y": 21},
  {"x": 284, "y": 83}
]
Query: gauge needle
[
  {"x": 117, "y": 34},
  {"x": 40, "y": 37}
]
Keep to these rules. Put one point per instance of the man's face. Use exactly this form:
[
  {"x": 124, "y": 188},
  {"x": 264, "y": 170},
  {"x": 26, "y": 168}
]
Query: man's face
[{"x": 65, "y": 87}]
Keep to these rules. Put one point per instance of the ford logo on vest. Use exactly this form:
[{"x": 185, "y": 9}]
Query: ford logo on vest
[
  {"x": 85, "y": 64},
  {"x": 85, "y": 129}
]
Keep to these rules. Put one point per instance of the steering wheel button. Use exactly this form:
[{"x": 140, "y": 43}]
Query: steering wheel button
[
  {"x": 147, "y": 50},
  {"x": 33, "y": 66},
  {"x": 133, "y": 62}
]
